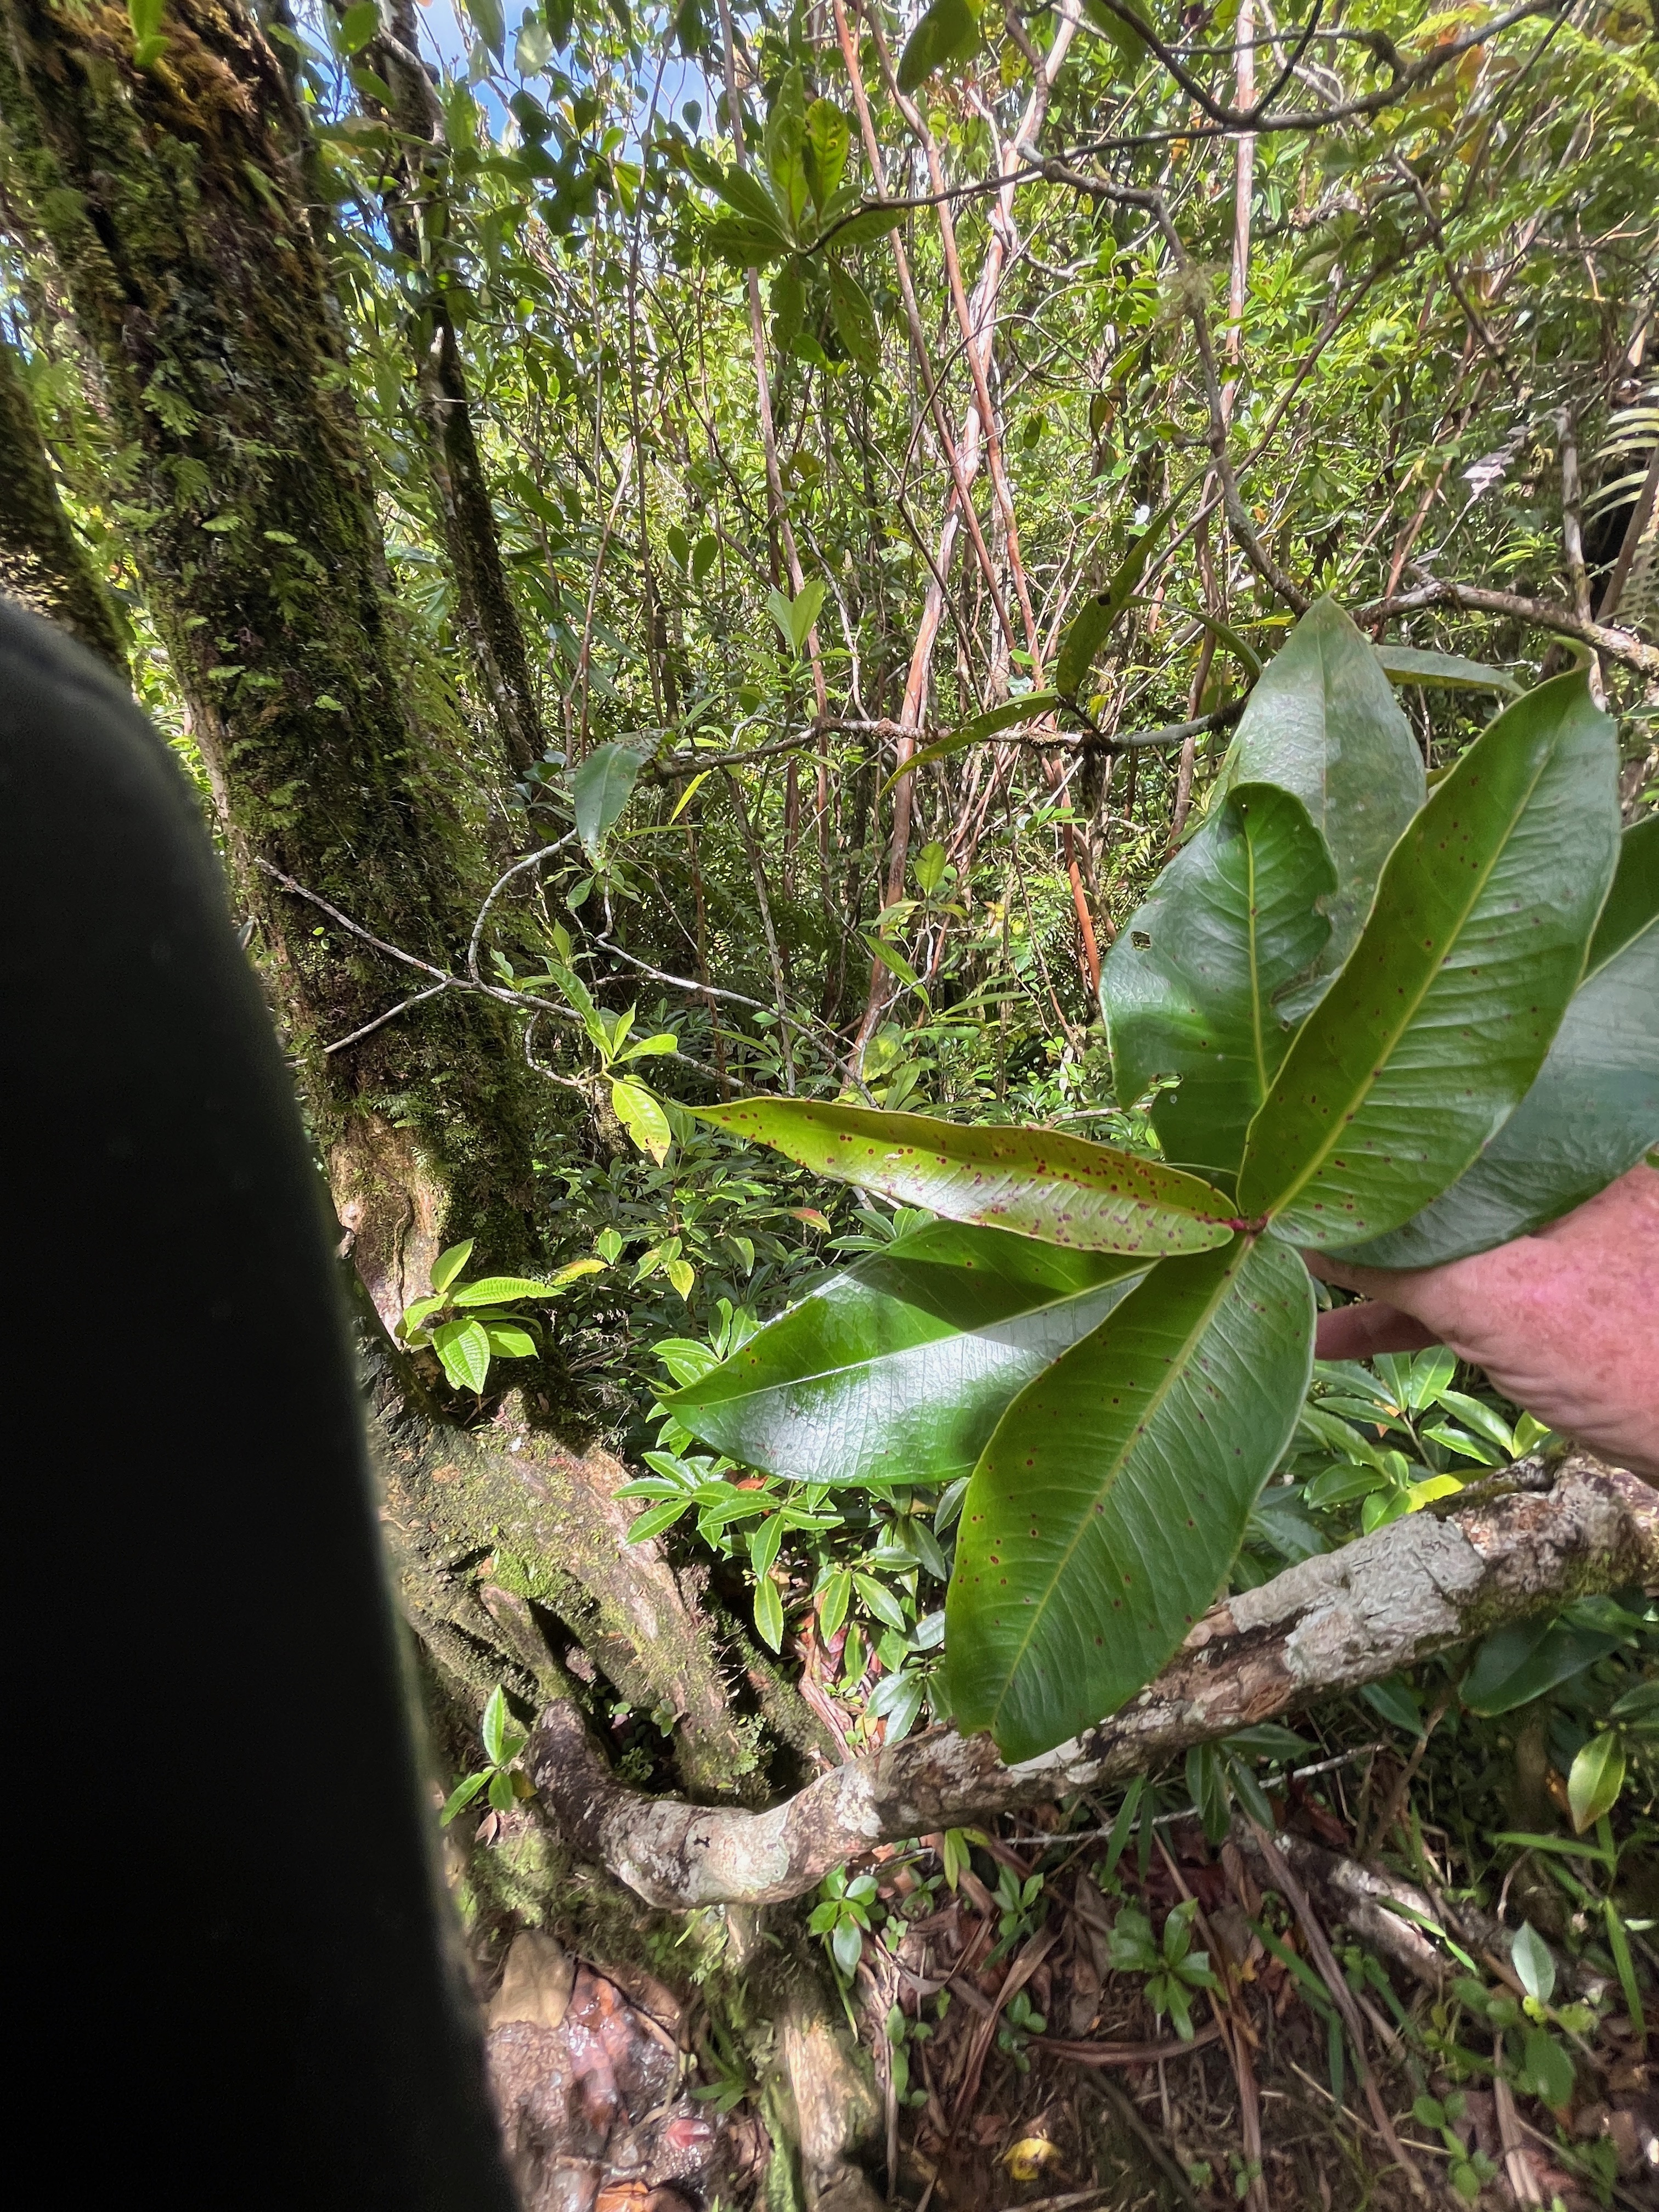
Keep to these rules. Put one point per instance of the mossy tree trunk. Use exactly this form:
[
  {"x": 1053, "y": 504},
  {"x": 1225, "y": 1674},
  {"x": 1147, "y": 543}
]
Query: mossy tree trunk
[
  {"x": 42, "y": 562},
  {"x": 172, "y": 197}
]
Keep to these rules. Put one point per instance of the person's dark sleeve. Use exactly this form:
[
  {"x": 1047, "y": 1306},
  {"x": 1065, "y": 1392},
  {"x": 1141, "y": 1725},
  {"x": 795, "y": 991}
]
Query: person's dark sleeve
[{"x": 228, "y": 1973}]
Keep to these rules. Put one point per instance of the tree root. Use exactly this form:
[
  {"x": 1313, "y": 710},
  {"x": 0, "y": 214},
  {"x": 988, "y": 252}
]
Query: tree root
[
  {"x": 483, "y": 1526},
  {"x": 1326, "y": 1626}
]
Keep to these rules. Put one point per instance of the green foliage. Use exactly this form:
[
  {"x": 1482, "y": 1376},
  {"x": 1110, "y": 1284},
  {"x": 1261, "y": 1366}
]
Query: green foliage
[
  {"x": 1173, "y": 1969},
  {"x": 1122, "y": 1479},
  {"x": 505, "y": 1784},
  {"x": 468, "y": 1325}
]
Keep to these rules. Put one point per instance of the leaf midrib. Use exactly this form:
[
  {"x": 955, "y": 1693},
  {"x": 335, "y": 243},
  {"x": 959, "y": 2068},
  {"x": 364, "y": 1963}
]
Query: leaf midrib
[
  {"x": 1317, "y": 1159},
  {"x": 1108, "y": 1483}
]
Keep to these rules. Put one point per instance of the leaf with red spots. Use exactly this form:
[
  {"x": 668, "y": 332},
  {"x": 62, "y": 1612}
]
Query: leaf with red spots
[
  {"x": 896, "y": 1369},
  {"x": 1112, "y": 1497},
  {"x": 1433, "y": 1032},
  {"x": 1036, "y": 1182}
]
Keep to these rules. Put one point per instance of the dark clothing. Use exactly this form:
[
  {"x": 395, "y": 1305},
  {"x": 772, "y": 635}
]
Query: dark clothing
[{"x": 229, "y": 1973}]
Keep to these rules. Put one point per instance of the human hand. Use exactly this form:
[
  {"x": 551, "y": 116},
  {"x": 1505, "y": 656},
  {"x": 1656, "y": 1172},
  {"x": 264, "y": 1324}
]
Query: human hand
[{"x": 1566, "y": 1323}]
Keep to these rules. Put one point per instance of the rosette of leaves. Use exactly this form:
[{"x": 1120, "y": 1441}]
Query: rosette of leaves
[
  {"x": 1174, "y": 1970},
  {"x": 468, "y": 1325},
  {"x": 1357, "y": 999},
  {"x": 799, "y": 217},
  {"x": 506, "y": 1783}
]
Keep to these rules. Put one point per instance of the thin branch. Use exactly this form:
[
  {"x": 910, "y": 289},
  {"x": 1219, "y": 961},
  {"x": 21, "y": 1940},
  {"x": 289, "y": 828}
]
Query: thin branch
[{"x": 1467, "y": 598}]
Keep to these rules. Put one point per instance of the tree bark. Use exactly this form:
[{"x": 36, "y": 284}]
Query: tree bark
[
  {"x": 173, "y": 197},
  {"x": 1328, "y": 1624},
  {"x": 42, "y": 562}
]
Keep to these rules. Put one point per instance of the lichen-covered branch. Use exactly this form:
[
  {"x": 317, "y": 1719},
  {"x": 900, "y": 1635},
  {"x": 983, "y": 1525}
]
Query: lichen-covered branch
[{"x": 1327, "y": 1624}]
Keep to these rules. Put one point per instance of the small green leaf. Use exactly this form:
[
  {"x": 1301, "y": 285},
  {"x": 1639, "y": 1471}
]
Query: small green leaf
[
  {"x": 1090, "y": 628},
  {"x": 1517, "y": 1664},
  {"x": 494, "y": 1726},
  {"x": 1194, "y": 984},
  {"x": 643, "y": 1117},
  {"x": 462, "y": 1346},
  {"x": 498, "y": 1290},
  {"x": 1448, "y": 671},
  {"x": 1530, "y": 1956},
  {"x": 833, "y": 1604},
  {"x": 489, "y": 23},
  {"x": 854, "y": 318},
  {"x": 1029, "y": 707},
  {"x": 1037, "y": 1182},
  {"x": 745, "y": 243},
  {"x": 828, "y": 142},
  {"x": 1322, "y": 722},
  {"x": 534, "y": 48},
  {"x": 601, "y": 787},
  {"x": 1550, "y": 2068},
  {"x": 357, "y": 26},
  {"x": 461, "y": 1796},
  {"x": 947, "y": 33},
  {"x": 449, "y": 1264},
  {"x": 769, "y": 1613},
  {"x": 1593, "y": 1109},
  {"x": 1596, "y": 1776},
  {"x": 846, "y": 1942},
  {"x": 507, "y": 1342}
]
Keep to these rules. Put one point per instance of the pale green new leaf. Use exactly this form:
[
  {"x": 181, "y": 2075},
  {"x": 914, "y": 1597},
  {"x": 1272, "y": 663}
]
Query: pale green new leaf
[
  {"x": 1425, "y": 1044},
  {"x": 643, "y": 1117},
  {"x": 896, "y": 1369},
  {"x": 1193, "y": 985},
  {"x": 1323, "y": 722},
  {"x": 498, "y": 1290},
  {"x": 601, "y": 787},
  {"x": 449, "y": 1264},
  {"x": 1594, "y": 1780},
  {"x": 1039, "y": 1182},
  {"x": 1110, "y": 1502},
  {"x": 462, "y": 1346}
]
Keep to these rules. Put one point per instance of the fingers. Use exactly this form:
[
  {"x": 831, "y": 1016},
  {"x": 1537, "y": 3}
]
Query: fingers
[{"x": 1362, "y": 1331}]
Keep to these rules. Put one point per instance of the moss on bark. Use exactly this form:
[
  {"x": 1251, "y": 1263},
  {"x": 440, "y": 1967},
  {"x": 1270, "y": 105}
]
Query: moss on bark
[
  {"x": 173, "y": 199},
  {"x": 42, "y": 562}
]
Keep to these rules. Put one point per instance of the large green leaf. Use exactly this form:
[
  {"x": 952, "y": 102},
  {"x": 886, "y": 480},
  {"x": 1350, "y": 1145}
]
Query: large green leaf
[
  {"x": 1323, "y": 723},
  {"x": 948, "y": 32},
  {"x": 1194, "y": 984},
  {"x": 1594, "y": 1109},
  {"x": 1111, "y": 1501},
  {"x": 1037, "y": 1182},
  {"x": 896, "y": 1369},
  {"x": 1433, "y": 1032}
]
